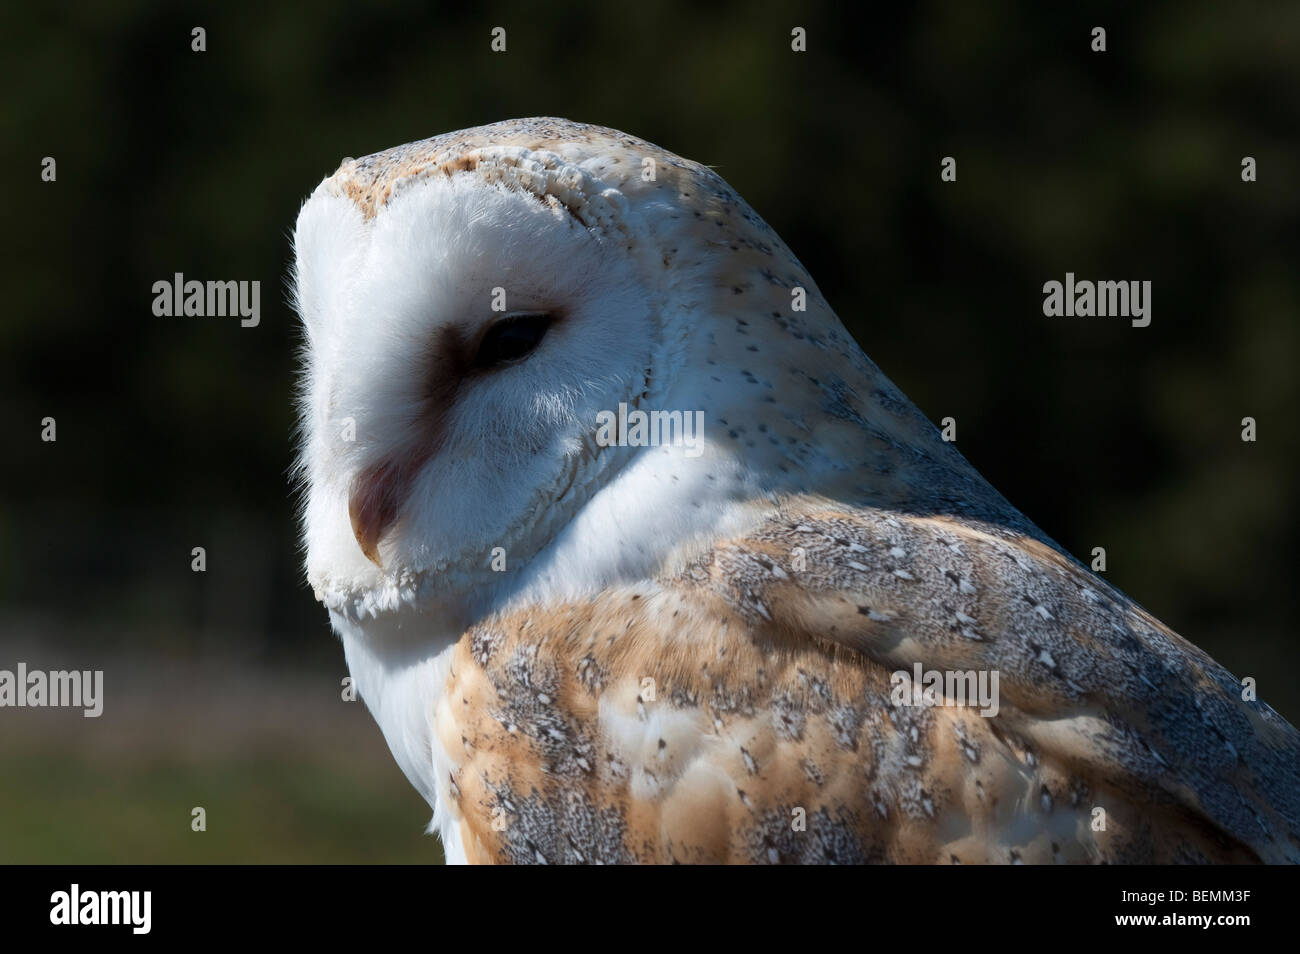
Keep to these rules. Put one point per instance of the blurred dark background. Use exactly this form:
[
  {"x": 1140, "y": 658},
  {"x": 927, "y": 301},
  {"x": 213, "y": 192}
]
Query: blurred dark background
[{"x": 223, "y": 687}]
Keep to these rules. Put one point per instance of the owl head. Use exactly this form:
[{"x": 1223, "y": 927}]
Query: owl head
[{"x": 478, "y": 306}]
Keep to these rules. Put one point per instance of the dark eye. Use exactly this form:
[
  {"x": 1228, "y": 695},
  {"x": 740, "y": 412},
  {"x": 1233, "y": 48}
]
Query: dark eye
[{"x": 511, "y": 338}]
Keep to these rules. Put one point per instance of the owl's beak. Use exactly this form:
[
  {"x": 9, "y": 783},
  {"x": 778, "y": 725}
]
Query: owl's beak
[{"x": 373, "y": 502}]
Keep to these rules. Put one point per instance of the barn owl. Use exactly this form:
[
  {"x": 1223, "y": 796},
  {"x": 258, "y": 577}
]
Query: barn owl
[{"x": 582, "y": 647}]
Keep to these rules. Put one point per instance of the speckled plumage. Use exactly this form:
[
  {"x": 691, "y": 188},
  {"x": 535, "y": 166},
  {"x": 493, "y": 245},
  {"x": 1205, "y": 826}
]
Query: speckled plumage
[{"x": 685, "y": 655}]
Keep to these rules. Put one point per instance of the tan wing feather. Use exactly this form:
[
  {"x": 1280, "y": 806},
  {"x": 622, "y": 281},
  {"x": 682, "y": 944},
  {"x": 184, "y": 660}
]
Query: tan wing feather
[{"x": 772, "y": 734}]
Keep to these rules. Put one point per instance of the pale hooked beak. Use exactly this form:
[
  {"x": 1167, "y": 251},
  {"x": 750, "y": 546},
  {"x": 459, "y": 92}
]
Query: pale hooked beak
[{"x": 376, "y": 494}]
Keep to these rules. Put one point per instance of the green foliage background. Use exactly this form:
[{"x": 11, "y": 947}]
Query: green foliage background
[{"x": 176, "y": 433}]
